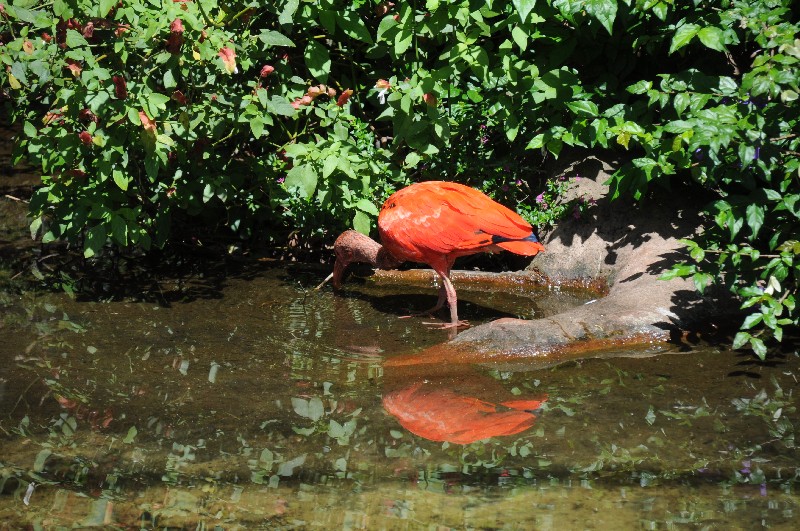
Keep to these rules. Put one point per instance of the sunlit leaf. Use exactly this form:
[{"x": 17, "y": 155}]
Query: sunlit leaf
[
  {"x": 304, "y": 178},
  {"x": 711, "y": 37},
  {"x": 603, "y": 10},
  {"x": 684, "y": 34},
  {"x": 318, "y": 61},
  {"x": 524, "y": 7},
  {"x": 274, "y": 38},
  {"x": 362, "y": 222},
  {"x": 365, "y": 205}
]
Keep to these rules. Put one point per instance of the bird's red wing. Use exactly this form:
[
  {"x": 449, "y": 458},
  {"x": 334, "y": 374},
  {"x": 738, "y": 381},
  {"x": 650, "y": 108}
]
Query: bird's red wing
[{"x": 445, "y": 218}]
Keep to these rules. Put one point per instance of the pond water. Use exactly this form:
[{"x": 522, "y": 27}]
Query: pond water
[{"x": 251, "y": 400}]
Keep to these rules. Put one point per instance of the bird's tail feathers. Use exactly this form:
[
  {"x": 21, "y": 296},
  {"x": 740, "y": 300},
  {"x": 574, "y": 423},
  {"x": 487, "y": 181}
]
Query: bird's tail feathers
[{"x": 529, "y": 246}]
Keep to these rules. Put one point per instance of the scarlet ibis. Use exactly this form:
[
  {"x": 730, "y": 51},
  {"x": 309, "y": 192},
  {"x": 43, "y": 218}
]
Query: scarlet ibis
[{"x": 434, "y": 223}]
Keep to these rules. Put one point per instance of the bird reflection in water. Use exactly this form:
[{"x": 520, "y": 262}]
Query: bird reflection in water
[
  {"x": 440, "y": 414},
  {"x": 453, "y": 402}
]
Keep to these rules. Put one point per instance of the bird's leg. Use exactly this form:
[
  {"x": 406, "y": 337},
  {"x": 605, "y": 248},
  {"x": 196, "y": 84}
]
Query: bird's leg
[
  {"x": 448, "y": 292},
  {"x": 452, "y": 301}
]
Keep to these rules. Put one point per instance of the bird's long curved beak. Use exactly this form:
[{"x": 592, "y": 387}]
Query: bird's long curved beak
[
  {"x": 324, "y": 281},
  {"x": 339, "y": 267}
]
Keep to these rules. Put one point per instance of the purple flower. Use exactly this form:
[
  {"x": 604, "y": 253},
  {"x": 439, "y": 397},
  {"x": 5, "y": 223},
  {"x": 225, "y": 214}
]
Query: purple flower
[
  {"x": 757, "y": 153},
  {"x": 518, "y": 182},
  {"x": 281, "y": 179},
  {"x": 504, "y": 188},
  {"x": 540, "y": 198},
  {"x": 745, "y": 467},
  {"x": 484, "y": 139},
  {"x": 763, "y": 489}
]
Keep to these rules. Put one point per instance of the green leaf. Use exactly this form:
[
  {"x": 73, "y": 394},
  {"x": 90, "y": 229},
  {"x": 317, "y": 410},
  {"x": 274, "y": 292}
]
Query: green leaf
[
  {"x": 524, "y": 7},
  {"x": 94, "y": 241},
  {"x": 365, "y": 205},
  {"x": 711, "y": 37},
  {"x": 788, "y": 95},
  {"x": 281, "y": 106},
  {"x": 752, "y": 320},
  {"x": 353, "y": 26},
  {"x": 758, "y": 347},
  {"x": 104, "y": 7},
  {"x": 536, "y": 142},
  {"x": 304, "y": 178},
  {"x": 169, "y": 79},
  {"x": 412, "y": 159},
  {"x": 257, "y": 126},
  {"x": 75, "y": 39},
  {"x": 318, "y": 61},
  {"x": 740, "y": 339},
  {"x": 330, "y": 164},
  {"x": 520, "y": 37},
  {"x": 36, "y": 224},
  {"x": 683, "y": 36},
  {"x": 119, "y": 230},
  {"x": 287, "y": 14},
  {"x": 362, "y": 222},
  {"x": 386, "y": 24},
  {"x": 120, "y": 179},
  {"x": 755, "y": 218},
  {"x": 701, "y": 281},
  {"x": 274, "y": 38},
  {"x": 133, "y": 116},
  {"x": 583, "y": 108},
  {"x": 403, "y": 41},
  {"x": 603, "y": 10},
  {"x": 681, "y": 101}
]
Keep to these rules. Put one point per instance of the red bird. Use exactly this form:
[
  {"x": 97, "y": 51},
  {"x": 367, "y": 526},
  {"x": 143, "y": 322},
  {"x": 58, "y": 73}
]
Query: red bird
[{"x": 434, "y": 223}]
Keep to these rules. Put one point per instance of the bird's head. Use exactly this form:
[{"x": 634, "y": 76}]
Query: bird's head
[{"x": 352, "y": 246}]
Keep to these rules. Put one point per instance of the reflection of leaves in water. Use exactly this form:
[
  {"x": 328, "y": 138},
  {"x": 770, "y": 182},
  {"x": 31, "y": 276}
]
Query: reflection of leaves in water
[
  {"x": 177, "y": 459},
  {"x": 342, "y": 432},
  {"x": 287, "y": 468},
  {"x": 41, "y": 458},
  {"x": 311, "y": 409},
  {"x": 132, "y": 432}
]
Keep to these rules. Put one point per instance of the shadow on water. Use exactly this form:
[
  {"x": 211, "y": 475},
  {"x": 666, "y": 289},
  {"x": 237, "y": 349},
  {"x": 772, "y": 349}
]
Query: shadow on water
[{"x": 250, "y": 399}]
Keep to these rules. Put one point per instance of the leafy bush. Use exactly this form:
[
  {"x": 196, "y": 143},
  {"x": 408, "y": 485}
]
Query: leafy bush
[{"x": 304, "y": 116}]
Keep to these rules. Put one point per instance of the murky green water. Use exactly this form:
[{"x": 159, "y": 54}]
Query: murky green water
[{"x": 253, "y": 401}]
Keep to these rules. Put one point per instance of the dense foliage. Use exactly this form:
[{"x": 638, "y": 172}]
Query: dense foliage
[{"x": 305, "y": 115}]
